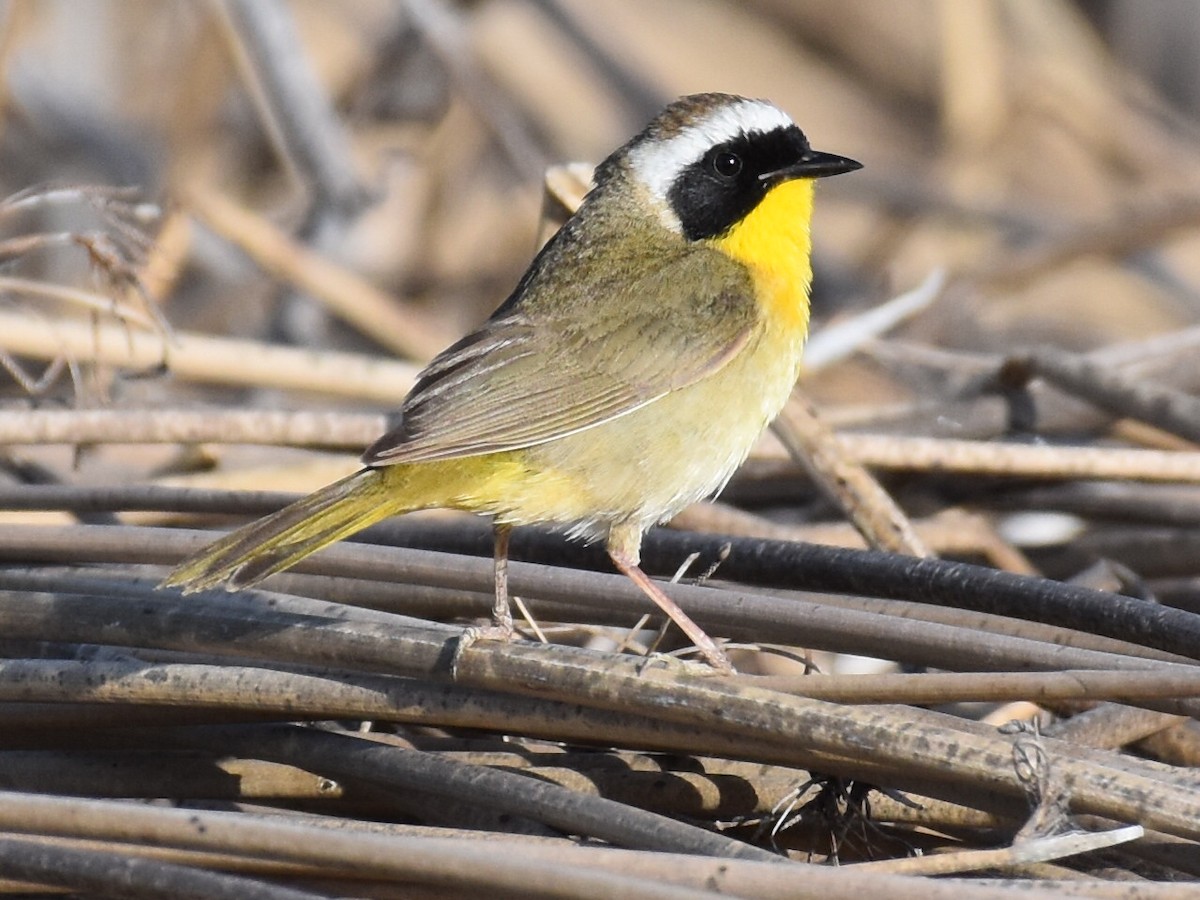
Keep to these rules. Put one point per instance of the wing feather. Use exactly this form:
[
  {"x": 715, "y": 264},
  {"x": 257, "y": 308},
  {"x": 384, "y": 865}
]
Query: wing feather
[{"x": 566, "y": 360}]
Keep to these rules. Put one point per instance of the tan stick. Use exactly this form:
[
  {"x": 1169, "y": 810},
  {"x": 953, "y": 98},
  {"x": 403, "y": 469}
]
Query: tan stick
[
  {"x": 998, "y": 687},
  {"x": 918, "y": 454},
  {"x": 305, "y": 428},
  {"x": 195, "y": 357},
  {"x": 871, "y": 509},
  {"x": 380, "y": 316}
]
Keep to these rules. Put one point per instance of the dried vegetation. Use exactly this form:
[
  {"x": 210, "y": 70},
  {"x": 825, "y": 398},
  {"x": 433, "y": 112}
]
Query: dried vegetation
[{"x": 236, "y": 229}]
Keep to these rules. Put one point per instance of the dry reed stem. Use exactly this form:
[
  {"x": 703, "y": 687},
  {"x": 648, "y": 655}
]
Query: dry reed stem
[
  {"x": 259, "y": 502},
  {"x": 86, "y": 300},
  {"x": 1176, "y": 412},
  {"x": 447, "y": 34},
  {"x": 1039, "y": 849},
  {"x": 951, "y": 531},
  {"x": 846, "y": 627},
  {"x": 1130, "y": 431},
  {"x": 163, "y": 266},
  {"x": 250, "y": 689},
  {"x": 381, "y": 317},
  {"x": 129, "y": 773},
  {"x": 305, "y": 428},
  {"x": 1178, "y": 745},
  {"x": 224, "y": 361},
  {"x": 929, "y": 689},
  {"x": 919, "y": 745},
  {"x": 294, "y": 104},
  {"x": 108, "y": 874},
  {"x": 853, "y": 624},
  {"x": 1110, "y": 725},
  {"x": 211, "y": 360},
  {"x": 499, "y": 864},
  {"x": 918, "y": 454},
  {"x": 870, "y": 508}
]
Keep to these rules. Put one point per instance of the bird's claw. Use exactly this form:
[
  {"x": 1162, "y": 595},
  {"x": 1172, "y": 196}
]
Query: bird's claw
[{"x": 478, "y": 633}]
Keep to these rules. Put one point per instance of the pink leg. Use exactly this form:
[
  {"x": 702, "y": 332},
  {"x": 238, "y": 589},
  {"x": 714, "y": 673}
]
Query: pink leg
[{"x": 623, "y": 549}]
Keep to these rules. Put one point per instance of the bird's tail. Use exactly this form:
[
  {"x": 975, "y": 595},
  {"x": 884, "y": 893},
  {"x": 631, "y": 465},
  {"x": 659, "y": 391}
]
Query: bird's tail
[{"x": 269, "y": 545}]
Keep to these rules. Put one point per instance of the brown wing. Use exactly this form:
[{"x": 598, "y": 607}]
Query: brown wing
[{"x": 537, "y": 372}]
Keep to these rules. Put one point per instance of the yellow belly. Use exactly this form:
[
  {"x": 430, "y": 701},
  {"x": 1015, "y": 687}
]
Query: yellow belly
[{"x": 646, "y": 466}]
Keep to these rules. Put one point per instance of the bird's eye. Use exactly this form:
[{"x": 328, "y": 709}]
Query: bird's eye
[{"x": 726, "y": 164}]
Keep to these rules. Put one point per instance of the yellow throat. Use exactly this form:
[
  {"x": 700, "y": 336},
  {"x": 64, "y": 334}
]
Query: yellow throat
[{"x": 774, "y": 243}]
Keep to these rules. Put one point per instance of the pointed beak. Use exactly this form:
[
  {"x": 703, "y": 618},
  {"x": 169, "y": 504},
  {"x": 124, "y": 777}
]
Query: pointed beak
[{"x": 814, "y": 165}]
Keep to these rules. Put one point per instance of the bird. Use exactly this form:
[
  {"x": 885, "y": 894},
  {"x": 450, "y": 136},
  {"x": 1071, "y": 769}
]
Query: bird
[{"x": 650, "y": 342}]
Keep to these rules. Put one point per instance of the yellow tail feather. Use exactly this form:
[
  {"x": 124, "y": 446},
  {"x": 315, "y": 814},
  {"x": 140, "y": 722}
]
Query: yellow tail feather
[{"x": 269, "y": 545}]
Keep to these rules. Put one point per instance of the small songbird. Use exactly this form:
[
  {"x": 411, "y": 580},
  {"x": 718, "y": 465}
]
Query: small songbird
[{"x": 629, "y": 373}]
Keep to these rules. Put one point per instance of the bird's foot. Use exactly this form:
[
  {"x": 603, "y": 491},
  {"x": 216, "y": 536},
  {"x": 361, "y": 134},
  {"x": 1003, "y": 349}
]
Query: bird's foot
[{"x": 502, "y": 631}]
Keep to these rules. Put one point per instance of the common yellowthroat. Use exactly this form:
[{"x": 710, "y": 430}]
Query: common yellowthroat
[{"x": 649, "y": 344}]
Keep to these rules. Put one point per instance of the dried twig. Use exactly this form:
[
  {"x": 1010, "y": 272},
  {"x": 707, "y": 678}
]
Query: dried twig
[
  {"x": 934, "y": 688},
  {"x": 195, "y": 357},
  {"x": 503, "y": 864},
  {"x": 918, "y": 747},
  {"x": 1020, "y": 460},
  {"x": 299, "y": 111},
  {"x": 308, "y": 428},
  {"x": 860, "y": 496},
  {"x": 1173, "y": 411},
  {"x": 446, "y": 33},
  {"x": 1037, "y": 850},
  {"x": 383, "y": 318}
]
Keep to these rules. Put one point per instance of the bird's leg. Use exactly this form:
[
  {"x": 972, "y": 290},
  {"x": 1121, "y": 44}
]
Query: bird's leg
[
  {"x": 502, "y": 620},
  {"x": 501, "y": 628},
  {"x": 623, "y": 549}
]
